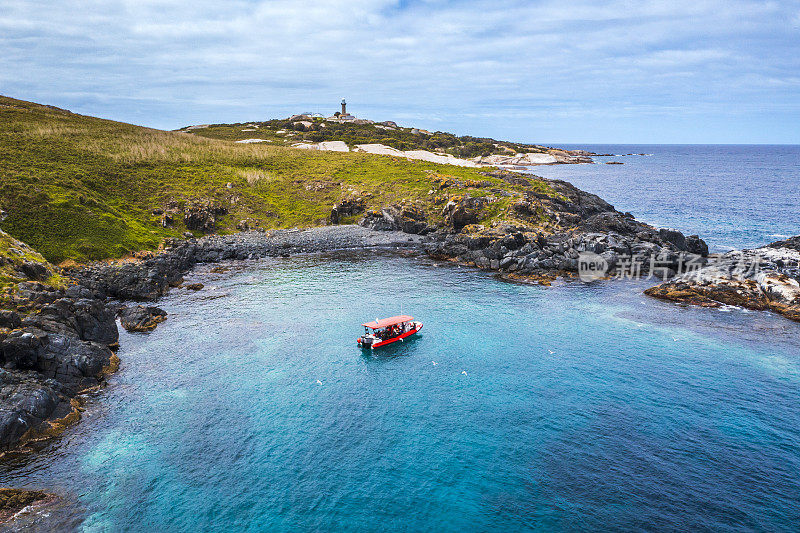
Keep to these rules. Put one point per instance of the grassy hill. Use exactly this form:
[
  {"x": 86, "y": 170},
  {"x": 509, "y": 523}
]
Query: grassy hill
[
  {"x": 78, "y": 187},
  {"x": 284, "y": 132}
]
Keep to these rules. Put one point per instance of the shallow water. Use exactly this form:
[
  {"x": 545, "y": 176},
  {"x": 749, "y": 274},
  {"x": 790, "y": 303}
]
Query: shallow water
[
  {"x": 570, "y": 407},
  {"x": 733, "y": 196}
]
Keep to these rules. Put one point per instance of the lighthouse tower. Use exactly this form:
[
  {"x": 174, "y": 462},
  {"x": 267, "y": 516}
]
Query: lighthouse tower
[{"x": 344, "y": 116}]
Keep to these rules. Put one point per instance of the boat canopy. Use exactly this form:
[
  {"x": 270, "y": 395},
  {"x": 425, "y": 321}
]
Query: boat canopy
[{"x": 386, "y": 322}]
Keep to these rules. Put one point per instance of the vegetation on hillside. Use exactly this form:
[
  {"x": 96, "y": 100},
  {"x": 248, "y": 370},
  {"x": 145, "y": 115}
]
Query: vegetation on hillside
[
  {"x": 19, "y": 262},
  {"x": 83, "y": 188},
  {"x": 305, "y": 129}
]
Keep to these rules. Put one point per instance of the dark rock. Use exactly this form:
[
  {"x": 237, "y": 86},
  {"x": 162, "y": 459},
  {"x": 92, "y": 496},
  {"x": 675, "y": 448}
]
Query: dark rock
[
  {"x": 194, "y": 286},
  {"x": 696, "y": 245},
  {"x": 406, "y": 217},
  {"x": 793, "y": 243},
  {"x": 9, "y": 319},
  {"x": 25, "y": 402},
  {"x": 202, "y": 216},
  {"x": 141, "y": 318},
  {"x": 673, "y": 236},
  {"x": 86, "y": 319},
  {"x": 612, "y": 221},
  {"x": 463, "y": 211},
  {"x": 74, "y": 363},
  {"x": 148, "y": 279},
  {"x": 507, "y": 262},
  {"x": 513, "y": 241},
  {"x": 35, "y": 271},
  {"x": 22, "y": 349},
  {"x": 349, "y": 207},
  {"x": 527, "y": 209}
]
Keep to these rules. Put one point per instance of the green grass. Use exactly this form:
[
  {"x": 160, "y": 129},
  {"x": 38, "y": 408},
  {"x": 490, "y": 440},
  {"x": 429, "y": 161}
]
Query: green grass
[
  {"x": 354, "y": 134},
  {"x": 83, "y": 188}
]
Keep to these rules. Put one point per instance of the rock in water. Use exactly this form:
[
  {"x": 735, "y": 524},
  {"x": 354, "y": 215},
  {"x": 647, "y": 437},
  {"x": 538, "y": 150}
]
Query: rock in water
[
  {"x": 793, "y": 243},
  {"x": 761, "y": 279},
  {"x": 14, "y": 500},
  {"x": 141, "y": 318},
  {"x": 696, "y": 245}
]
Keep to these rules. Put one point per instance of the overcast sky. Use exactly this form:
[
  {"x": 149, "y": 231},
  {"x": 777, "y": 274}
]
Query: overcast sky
[{"x": 673, "y": 71}]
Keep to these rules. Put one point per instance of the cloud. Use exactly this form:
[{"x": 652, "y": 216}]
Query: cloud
[{"x": 469, "y": 65}]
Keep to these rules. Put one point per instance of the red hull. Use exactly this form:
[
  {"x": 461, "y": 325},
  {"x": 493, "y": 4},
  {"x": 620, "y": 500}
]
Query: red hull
[{"x": 393, "y": 339}]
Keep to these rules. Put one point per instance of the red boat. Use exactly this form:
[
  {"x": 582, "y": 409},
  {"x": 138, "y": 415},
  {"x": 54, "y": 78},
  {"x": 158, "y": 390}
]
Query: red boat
[{"x": 388, "y": 330}]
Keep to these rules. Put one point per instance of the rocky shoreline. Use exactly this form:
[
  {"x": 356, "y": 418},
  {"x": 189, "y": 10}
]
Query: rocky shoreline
[
  {"x": 761, "y": 279},
  {"x": 59, "y": 343}
]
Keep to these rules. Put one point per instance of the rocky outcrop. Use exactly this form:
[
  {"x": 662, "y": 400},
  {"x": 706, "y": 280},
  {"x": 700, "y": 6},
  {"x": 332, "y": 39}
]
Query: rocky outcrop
[
  {"x": 14, "y": 500},
  {"x": 26, "y": 402},
  {"x": 35, "y": 270},
  {"x": 762, "y": 279},
  {"x": 141, "y": 318},
  {"x": 462, "y": 211},
  {"x": 202, "y": 216},
  {"x": 558, "y": 223},
  {"x": 143, "y": 280},
  {"x": 792, "y": 243},
  {"x": 56, "y": 345},
  {"x": 348, "y": 207},
  {"x": 407, "y": 217},
  {"x": 517, "y": 250}
]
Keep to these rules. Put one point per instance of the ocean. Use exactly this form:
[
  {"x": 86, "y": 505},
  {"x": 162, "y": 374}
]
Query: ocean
[
  {"x": 573, "y": 407},
  {"x": 733, "y": 196}
]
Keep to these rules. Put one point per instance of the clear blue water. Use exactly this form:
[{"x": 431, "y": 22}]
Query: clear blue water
[
  {"x": 573, "y": 407},
  {"x": 733, "y": 196}
]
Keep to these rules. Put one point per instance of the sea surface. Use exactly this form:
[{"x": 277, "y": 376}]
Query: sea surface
[
  {"x": 577, "y": 407},
  {"x": 733, "y": 196}
]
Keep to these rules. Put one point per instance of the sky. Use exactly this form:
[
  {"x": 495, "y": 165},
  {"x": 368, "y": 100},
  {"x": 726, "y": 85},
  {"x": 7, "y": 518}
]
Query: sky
[{"x": 696, "y": 71}]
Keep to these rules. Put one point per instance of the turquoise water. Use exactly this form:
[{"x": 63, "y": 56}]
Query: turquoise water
[
  {"x": 733, "y": 196},
  {"x": 574, "y": 407}
]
